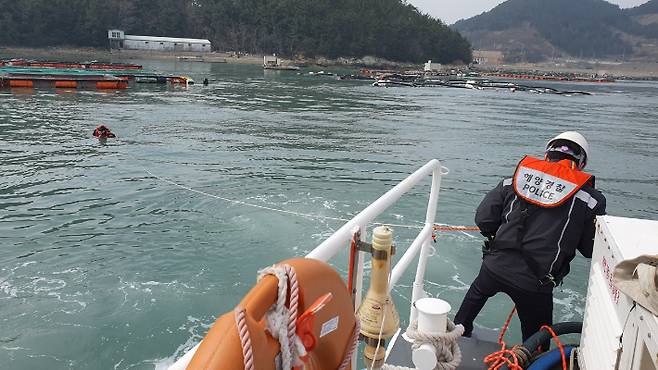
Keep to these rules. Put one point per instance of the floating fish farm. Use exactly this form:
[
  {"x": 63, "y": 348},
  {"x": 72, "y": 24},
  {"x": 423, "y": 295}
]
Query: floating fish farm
[{"x": 19, "y": 73}]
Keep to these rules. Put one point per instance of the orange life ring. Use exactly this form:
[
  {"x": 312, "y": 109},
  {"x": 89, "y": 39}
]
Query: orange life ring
[{"x": 333, "y": 327}]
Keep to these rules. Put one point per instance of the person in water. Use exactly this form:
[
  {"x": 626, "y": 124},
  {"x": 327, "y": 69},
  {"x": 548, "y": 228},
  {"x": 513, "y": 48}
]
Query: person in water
[
  {"x": 102, "y": 132},
  {"x": 534, "y": 223},
  {"x": 205, "y": 82}
]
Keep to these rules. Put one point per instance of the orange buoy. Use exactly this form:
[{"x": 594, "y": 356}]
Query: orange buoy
[
  {"x": 66, "y": 84},
  {"x": 21, "y": 83},
  {"x": 333, "y": 329},
  {"x": 113, "y": 85}
]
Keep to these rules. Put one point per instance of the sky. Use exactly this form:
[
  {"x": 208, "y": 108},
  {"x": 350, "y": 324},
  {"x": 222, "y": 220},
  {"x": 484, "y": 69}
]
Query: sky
[{"x": 449, "y": 11}]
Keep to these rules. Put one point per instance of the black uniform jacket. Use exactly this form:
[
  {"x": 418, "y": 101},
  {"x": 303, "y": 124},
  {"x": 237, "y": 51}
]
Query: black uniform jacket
[{"x": 550, "y": 235}]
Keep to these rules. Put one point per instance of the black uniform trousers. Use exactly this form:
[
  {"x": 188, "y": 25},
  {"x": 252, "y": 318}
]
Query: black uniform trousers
[{"x": 534, "y": 309}]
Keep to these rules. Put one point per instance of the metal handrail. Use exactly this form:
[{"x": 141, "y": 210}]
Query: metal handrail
[{"x": 342, "y": 237}]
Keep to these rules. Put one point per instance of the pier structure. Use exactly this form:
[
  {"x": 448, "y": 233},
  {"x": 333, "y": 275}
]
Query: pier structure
[{"x": 28, "y": 74}]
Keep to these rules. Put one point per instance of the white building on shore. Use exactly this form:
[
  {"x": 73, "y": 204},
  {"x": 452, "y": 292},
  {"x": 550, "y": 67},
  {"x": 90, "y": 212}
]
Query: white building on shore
[
  {"x": 488, "y": 57},
  {"x": 119, "y": 40},
  {"x": 432, "y": 67}
]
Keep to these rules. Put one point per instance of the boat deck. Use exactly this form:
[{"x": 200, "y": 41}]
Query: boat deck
[{"x": 474, "y": 349}]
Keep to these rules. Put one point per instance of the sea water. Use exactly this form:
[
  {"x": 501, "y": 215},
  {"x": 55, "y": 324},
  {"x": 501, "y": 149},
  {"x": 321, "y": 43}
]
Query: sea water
[{"x": 107, "y": 264}]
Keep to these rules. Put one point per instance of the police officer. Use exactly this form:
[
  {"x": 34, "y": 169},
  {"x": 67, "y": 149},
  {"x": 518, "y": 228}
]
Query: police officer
[{"x": 534, "y": 223}]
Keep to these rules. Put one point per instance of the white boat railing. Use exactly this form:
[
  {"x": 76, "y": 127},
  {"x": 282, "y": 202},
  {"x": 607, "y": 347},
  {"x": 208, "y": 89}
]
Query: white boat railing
[{"x": 342, "y": 237}]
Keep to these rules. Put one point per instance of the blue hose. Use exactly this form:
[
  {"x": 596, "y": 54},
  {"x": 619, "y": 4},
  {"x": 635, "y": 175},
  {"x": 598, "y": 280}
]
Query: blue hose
[{"x": 550, "y": 359}]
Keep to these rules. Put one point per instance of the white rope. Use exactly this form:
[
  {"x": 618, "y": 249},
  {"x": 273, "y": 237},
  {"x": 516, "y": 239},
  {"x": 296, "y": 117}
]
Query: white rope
[
  {"x": 379, "y": 342},
  {"x": 381, "y": 328},
  {"x": 278, "y": 318},
  {"x": 307, "y": 215},
  {"x": 448, "y": 354},
  {"x": 245, "y": 340},
  {"x": 354, "y": 345},
  {"x": 278, "y": 210}
]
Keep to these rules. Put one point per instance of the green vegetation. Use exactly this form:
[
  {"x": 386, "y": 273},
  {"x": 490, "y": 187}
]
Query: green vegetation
[
  {"x": 390, "y": 29},
  {"x": 649, "y": 7},
  {"x": 585, "y": 28}
]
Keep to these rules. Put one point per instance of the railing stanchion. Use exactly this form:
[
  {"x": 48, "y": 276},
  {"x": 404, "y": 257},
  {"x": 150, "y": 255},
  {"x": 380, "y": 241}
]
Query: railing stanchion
[
  {"x": 418, "y": 290},
  {"x": 330, "y": 247}
]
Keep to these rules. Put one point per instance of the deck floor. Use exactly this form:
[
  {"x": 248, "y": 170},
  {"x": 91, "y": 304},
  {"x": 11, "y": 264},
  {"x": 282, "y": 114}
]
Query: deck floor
[{"x": 474, "y": 349}]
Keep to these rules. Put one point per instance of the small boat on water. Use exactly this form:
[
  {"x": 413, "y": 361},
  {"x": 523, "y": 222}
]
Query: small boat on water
[
  {"x": 396, "y": 79},
  {"x": 282, "y": 68},
  {"x": 385, "y": 82},
  {"x": 302, "y": 314},
  {"x": 185, "y": 58},
  {"x": 358, "y": 77}
]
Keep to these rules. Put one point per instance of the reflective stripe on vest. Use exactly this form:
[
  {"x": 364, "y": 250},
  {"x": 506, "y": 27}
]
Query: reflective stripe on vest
[{"x": 547, "y": 184}]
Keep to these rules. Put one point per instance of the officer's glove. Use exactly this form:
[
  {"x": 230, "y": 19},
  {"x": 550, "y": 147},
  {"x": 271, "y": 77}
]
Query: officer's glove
[{"x": 488, "y": 243}]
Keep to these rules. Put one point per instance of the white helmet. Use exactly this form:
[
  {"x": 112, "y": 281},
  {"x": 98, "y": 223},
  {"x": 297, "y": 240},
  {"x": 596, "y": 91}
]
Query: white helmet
[{"x": 575, "y": 138}]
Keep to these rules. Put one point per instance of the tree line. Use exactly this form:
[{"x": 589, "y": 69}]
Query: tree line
[{"x": 391, "y": 29}]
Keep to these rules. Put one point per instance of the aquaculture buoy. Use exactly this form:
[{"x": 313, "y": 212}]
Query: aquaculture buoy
[
  {"x": 66, "y": 84},
  {"x": 21, "y": 83}
]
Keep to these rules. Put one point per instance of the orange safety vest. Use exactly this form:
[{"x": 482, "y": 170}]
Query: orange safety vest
[{"x": 548, "y": 184}]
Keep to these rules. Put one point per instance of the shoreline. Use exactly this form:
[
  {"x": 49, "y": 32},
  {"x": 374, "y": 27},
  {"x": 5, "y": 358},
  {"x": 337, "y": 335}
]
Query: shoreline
[
  {"x": 106, "y": 55},
  {"x": 616, "y": 70}
]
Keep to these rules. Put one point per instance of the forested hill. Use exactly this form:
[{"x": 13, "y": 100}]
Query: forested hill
[
  {"x": 650, "y": 7},
  {"x": 533, "y": 30},
  {"x": 390, "y": 29}
]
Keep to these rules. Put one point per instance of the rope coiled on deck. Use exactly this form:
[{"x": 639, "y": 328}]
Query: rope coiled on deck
[{"x": 448, "y": 354}]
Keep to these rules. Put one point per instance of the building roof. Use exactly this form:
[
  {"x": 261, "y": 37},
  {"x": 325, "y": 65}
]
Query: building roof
[{"x": 166, "y": 39}]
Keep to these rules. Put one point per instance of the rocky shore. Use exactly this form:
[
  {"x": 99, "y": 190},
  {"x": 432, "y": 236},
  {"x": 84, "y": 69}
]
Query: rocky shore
[{"x": 613, "y": 70}]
